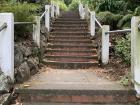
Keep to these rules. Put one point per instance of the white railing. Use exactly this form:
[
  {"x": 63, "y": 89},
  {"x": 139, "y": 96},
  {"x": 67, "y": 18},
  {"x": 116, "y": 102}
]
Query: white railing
[
  {"x": 7, "y": 44},
  {"x": 135, "y": 42},
  {"x": 7, "y": 35}
]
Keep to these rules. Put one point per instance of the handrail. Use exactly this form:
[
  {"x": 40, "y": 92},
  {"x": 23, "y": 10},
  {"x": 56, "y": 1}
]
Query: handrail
[
  {"x": 117, "y": 31},
  {"x": 98, "y": 23},
  {"x": 89, "y": 11},
  {"x": 3, "y": 26},
  {"x": 43, "y": 14},
  {"x": 95, "y": 18},
  {"x": 24, "y": 23}
]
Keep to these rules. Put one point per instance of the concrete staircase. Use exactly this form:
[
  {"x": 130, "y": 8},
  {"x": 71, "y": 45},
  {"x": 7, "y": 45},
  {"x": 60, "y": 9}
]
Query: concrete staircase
[
  {"x": 70, "y": 47},
  {"x": 69, "y": 44}
]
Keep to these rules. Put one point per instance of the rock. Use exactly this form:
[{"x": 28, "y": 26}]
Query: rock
[
  {"x": 33, "y": 65},
  {"x": 23, "y": 73},
  {"x": 44, "y": 30},
  {"x": 43, "y": 44},
  {"x": 4, "y": 99},
  {"x": 5, "y": 82},
  {"x": 27, "y": 51},
  {"x": 18, "y": 59}
]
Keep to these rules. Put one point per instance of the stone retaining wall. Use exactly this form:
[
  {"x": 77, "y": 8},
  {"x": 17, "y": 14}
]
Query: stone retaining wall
[{"x": 28, "y": 57}]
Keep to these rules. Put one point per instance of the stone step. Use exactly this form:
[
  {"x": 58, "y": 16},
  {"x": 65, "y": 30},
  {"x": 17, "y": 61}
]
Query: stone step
[
  {"x": 71, "y": 60},
  {"x": 71, "y": 19},
  {"x": 70, "y": 40},
  {"x": 49, "y": 103},
  {"x": 65, "y": 24},
  {"x": 69, "y": 25},
  {"x": 67, "y": 38},
  {"x": 69, "y": 22},
  {"x": 70, "y": 16},
  {"x": 70, "y": 64},
  {"x": 77, "y": 96},
  {"x": 73, "y": 57},
  {"x": 70, "y": 51},
  {"x": 70, "y": 36},
  {"x": 70, "y": 29},
  {"x": 70, "y": 33},
  {"x": 71, "y": 46}
]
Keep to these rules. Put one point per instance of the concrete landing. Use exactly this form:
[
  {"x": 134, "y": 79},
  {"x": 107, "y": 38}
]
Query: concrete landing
[
  {"x": 69, "y": 80},
  {"x": 72, "y": 86}
]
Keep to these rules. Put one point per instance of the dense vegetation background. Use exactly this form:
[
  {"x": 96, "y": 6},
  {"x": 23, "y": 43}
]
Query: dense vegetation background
[{"x": 116, "y": 13}]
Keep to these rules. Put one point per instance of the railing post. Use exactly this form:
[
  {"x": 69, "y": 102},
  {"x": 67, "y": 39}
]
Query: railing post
[
  {"x": 7, "y": 45},
  {"x": 92, "y": 23},
  {"x": 47, "y": 17},
  {"x": 135, "y": 53},
  {"x": 52, "y": 11},
  {"x": 86, "y": 12},
  {"x": 80, "y": 6},
  {"x": 36, "y": 31},
  {"x": 81, "y": 11},
  {"x": 57, "y": 10},
  {"x": 105, "y": 44}
]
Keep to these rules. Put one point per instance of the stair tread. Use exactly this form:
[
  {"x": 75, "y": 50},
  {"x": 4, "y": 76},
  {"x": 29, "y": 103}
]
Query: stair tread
[
  {"x": 71, "y": 56},
  {"x": 69, "y": 32},
  {"x": 69, "y": 42},
  {"x": 61, "y": 62},
  {"x": 83, "y": 40},
  {"x": 72, "y": 44},
  {"x": 70, "y": 50}
]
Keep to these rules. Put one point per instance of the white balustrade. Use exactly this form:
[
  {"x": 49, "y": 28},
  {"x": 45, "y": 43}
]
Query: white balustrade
[
  {"x": 36, "y": 31},
  {"x": 57, "y": 10},
  {"x": 105, "y": 44},
  {"x": 92, "y": 23},
  {"x": 135, "y": 53},
  {"x": 7, "y": 45},
  {"x": 47, "y": 17},
  {"x": 52, "y": 10}
]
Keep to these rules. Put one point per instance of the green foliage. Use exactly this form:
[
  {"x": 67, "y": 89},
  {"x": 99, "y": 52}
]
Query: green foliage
[
  {"x": 44, "y": 2},
  {"x": 114, "y": 6},
  {"x": 125, "y": 21},
  {"x": 61, "y": 4},
  {"x": 108, "y": 18},
  {"x": 126, "y": 80},
  {"x": 123, "y": 49},
  {"x": 22, "y": 13},
  {"x": 137, "y": 11},
  {"x": 74, "y": 5},
  {"x": 67, "y": 2}
]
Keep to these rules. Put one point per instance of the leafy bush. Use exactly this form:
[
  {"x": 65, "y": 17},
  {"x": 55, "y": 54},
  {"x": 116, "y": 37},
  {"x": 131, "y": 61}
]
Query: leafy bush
[
  {"x": 126, "y": 80},
  {"x": 137, "y": 11},
  {"x": 114, "y": 6},
  {"x": 67, "y": 2},
  {"x": 74, "y": 5},
  {"x": 22, "y": 13},
  {"x": 123, "y": 49},
  {"x": 61, "y": 4},
  {"x": 125, "y": 21},
  {"x": 108, "y": 18}
]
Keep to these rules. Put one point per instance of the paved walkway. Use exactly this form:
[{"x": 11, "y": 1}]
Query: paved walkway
[{"x": 70, "y": 79}]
